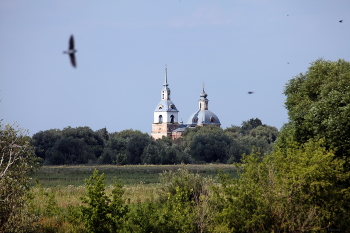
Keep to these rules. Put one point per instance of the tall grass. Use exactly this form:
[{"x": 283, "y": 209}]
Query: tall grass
[{"x": 60, "y": 187}]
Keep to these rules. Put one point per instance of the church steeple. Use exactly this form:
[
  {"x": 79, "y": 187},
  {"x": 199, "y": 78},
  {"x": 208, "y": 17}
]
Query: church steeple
[
  {"x": 166, "y": 114},
  {"x": 166, "y": 90}
]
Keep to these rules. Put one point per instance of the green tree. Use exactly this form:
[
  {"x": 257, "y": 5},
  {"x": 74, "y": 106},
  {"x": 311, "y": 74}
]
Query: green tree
[
  {"x": 206, "y": 144},
  {"x": 251, "y": 134},
  {"x": 185, "y": 202},
  {"x": 211, "y": 147},
  {"x": 62, "y": 146},
  {"x": 247, "y": 126},
  {"x": 291, "y": 190},
  {"x": 151, "y": 155},
  {"x": 17, "y": 163},
  {"x": 103, "y": 213},
  {"x": 91, "y": 138},
  {"x": 318, "y": 104},
  {"x": 43, "y": 141},
  {"x": 69, "y": 150},
  {"x": 127, "y": 134},
  {"x": 113, "y": 147},
  {"x": 135, "y": 147},
  {"x": 103, "y": 133}
]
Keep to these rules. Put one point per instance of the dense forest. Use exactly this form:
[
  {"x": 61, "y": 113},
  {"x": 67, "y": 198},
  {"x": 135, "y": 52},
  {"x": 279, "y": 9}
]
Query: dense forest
[
  {"x": 295, "y": 180},
  {"x": 209, "y": 144}
]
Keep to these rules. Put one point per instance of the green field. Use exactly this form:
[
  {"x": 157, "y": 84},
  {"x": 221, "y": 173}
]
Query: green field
[{"x": 52, "y": 176}]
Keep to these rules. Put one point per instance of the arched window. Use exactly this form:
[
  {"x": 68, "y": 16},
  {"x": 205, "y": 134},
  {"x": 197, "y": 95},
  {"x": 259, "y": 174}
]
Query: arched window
[
  {"x": 212, "y": 119},
  {"x": 172, "y": 119},
  {"x": 160, "y": 119},
  {"x": 195, "y": 119}
]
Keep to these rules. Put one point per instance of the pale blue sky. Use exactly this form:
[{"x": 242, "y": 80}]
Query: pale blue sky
[{"x": 123, "y": 46}]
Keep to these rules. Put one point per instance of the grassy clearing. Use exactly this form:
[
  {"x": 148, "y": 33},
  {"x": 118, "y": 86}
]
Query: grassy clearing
[
  {"x": 63, "y": 186},
  {"x": 55, "y": 176}
]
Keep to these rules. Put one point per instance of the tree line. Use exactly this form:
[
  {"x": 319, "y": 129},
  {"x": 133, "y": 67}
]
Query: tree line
[{"x": 209, "y": 144}]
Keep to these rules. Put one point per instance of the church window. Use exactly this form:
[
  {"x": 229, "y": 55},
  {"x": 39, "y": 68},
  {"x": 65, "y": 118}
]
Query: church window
[
  {"x": 212, "y": 119},
  {"x": 195, "y": 119},
  {"x": 160, "y": 119},
  {"x": 172, "y": 106},
  {"x": 172, "y": 119}
]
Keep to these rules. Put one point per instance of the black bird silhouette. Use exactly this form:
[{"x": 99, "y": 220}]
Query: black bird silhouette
[
  {"x": 250, "y": 92},
  {"x": 71, "y": 51},
  {"x": 340, "y": 21}
]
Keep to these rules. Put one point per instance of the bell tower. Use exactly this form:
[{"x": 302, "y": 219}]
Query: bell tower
[{"x": 165, "y": 118}]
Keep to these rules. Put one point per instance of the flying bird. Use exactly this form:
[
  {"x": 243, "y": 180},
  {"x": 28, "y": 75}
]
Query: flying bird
[
  {"x": 71, "y": 51},
  {"x": 250, "y": 92},
  {"x": 340, "y": 21}
]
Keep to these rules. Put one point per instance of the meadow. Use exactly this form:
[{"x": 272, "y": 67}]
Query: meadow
[
  {"x": 141, "y": 182},
  {"x": 56, "y": 188},
  {"x": 63, "y": 176}
]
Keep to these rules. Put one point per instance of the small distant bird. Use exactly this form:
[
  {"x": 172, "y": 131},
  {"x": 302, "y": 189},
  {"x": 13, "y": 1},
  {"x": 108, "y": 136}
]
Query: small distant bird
[
  {"x": 250, "y": 92},
  {"x": 340, "y": 21},
  {"x": 71, "y": 51}
]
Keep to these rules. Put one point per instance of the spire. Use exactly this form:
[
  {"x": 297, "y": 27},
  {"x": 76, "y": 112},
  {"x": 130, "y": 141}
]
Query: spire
[
  {"x": 166, "y": 76},
  {"x": 165, "y": 89}
]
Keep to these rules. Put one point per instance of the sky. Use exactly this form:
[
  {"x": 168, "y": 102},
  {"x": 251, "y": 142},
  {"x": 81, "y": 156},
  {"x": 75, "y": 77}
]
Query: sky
[{"x": 123, "y": 48}]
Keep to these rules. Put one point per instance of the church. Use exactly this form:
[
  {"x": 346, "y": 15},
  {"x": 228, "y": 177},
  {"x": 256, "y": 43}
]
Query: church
[{"x": 165, "y": 120}]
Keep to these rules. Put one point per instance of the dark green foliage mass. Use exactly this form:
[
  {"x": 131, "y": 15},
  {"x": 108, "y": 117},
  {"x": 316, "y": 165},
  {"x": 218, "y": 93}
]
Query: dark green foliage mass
[
  {"x": 136, "y": 146},
  {"x": 318, "y": 104},
  {"x": 45, "y": 140},
  {"x": 113, "y": 147},
  {"x": 251, "y": 134},
  {"x": 209, "y": 144},
  {"x": 70, "y": 150},
  {"x": 68, "y": 146}
]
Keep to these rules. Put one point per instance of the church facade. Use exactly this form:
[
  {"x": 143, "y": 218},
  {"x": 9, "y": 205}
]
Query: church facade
[{"x": 165, "y": 116}]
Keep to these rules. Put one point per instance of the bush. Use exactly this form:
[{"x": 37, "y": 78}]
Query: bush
[{"x": 103, "y": 213}]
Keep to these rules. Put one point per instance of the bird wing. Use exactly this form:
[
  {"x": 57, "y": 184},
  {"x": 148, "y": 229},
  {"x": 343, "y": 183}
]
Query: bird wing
[
  {"x": 72, "y": 59},
  {"x": 71, "y": 43}
]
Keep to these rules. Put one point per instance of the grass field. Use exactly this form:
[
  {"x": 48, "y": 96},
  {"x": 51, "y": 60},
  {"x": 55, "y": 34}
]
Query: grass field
[{"x": 53, "y": 176}]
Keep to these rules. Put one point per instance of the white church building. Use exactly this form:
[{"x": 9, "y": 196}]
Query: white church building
[{"x": 165, "y": 116}]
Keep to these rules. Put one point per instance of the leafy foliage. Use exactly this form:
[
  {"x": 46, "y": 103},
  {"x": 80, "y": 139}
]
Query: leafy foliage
[
  {"x": 288, "y": 191},
  {"x": 68, "y": 146},
  {"x": 318, "y": 104},
  {"x": 209, "y": 144},
  {"x": 17, "y": 162},
  {"x": 103, "y": 213},
  {"x": 252, "y": 134}
]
